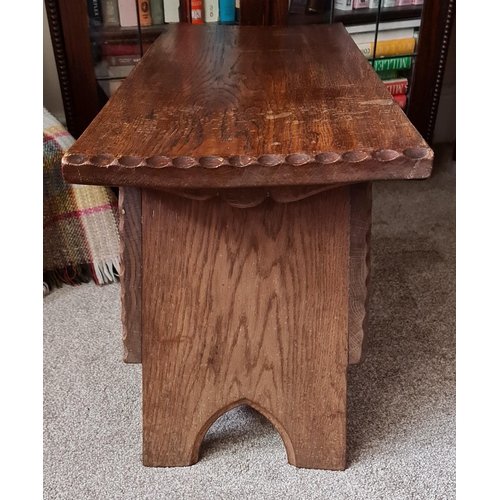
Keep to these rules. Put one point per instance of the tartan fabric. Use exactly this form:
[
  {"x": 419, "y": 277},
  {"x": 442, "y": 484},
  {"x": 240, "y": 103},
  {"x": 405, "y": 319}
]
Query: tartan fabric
[{"x": 80, "y": 223}]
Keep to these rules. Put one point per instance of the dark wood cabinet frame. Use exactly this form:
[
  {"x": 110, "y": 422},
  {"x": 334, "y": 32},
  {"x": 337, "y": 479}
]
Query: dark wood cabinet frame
[{"x": 69, "y": 29}]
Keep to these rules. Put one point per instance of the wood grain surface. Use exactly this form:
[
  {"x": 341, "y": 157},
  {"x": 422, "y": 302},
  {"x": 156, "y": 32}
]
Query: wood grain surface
[
  {"x": 130, "y": 227},
  {"x": 239, "y": 106},
  {"x": 359, "y": 268},
  {"x": 245, "y": 306}
]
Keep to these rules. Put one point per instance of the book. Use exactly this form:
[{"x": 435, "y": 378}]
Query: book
[
  {"x": 156, "y": 7},
  {"x": 400, "y": 99},
  {"x": 110, "y": 13},
  {"x": 391, "y": 63},
  {"x": 388, "y": 47},
  {"x": 417, "y": 2},
  {"x": 361, "y": 4},
  {"x": 388, "y": 74},
  {"x": 237, "y": 11},
  {"x": 171, "y": 10},
  {"x": 385, "y": 26},
  {"x": 144, "y": 13},
  {"x": 343, "y": 4},
  {"x": 389, "y": 3},
  {"x": 196, "y": 11},
  {"x": 127, "y": 13},
  {"x": 211, "y": 10},
  {"x": 122, "y": 60},
  {"x": 404, "y": 2},
  {"x": 227, "y": 11},
  {"x": 397, "y": 86},
  {"x": 127, "y": 10},
  {"x": 374, "y": 4},
  {"x": 94, "y": 13},
  {"x": 130, "y": 49},
  {"x": 383, "y": 35}
]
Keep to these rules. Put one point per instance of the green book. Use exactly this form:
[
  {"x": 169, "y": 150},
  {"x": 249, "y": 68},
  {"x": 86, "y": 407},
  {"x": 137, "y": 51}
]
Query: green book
[
  {"x": 388, "y": 74},
  {"x": 156, "y": 9},
  {"x": 391, "y": 63}
]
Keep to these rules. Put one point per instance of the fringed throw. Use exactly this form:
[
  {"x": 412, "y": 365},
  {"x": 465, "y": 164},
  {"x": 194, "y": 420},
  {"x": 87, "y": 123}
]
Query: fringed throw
[{"x": 80, "y": 223}]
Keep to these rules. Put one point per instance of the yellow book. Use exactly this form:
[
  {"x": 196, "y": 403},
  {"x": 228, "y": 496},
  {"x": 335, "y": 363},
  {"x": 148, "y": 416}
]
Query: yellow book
[{"x": 397, "y": 47}]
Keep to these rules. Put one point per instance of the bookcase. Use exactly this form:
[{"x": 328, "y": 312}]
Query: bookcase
[{"x": 97, "y": 43}]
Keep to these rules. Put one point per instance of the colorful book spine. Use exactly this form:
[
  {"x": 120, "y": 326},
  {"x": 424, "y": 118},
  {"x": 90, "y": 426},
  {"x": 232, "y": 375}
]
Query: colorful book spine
[
  {"x": 401, "y": 100},
  {"x": 144, "y": 13},
  {"x": 110, "y": 13},
  {"x": 197, "y": 11},
  {"x": 361, "y": 4},
  {"x": 171, "y": 11},
  {"x": 388, "y": 47},
  {"x": 391, "y": 63},
  {"x": 397, "y": 86},
  {"x": 343, "y": 4},
  {"x": 156, "y": 7},
  {"x": 227, "y": 11},
  {"x": 211, "y": 10}
]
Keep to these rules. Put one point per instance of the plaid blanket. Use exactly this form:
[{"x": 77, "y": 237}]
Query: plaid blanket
[{"x": 80, "y": 223}]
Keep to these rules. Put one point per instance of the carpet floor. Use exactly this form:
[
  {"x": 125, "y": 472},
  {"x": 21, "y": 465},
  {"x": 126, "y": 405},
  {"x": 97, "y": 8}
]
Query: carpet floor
[{"x": 401, "y": 400}]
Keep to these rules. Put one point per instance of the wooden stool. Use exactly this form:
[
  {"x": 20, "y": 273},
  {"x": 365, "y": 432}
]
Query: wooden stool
[{"x": 244, "y": 156}]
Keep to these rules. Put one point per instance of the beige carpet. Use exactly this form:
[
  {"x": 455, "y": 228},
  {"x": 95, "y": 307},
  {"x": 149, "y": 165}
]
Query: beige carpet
[{"x": 401, "y": 401}]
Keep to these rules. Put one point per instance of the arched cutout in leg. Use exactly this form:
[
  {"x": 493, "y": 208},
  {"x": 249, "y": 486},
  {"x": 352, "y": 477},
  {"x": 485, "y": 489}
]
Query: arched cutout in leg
[{"x": 257, "y": 407}]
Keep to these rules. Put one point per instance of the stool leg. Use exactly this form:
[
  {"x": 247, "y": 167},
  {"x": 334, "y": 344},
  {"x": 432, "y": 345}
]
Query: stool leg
[{"x": 245, "y": 306}]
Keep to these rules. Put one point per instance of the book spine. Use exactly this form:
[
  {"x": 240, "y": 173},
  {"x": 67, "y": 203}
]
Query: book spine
[
  {"x": 130, "y": 49},
  {"x": 110, "y": 13},
  {"x": 156, "y": 7},
  {"x": 390, "y": 74},
  {"x": 171, "y": 9},
  {"x": 388, "y": 47},
  {"x": 127, "y": 13},
  {"x": 398, "y": 86},
  {"x": 122, "y": 60},
  {"x": 211, "y": 10},
  {"x": 361, "y": 4},
  {"x": 391, "y": 63},
  {"x": 237, "y": 11},
  {"x": 343, "y": 4},
  {"x": 94, "y": 12},
  {"x": 401, "y": 100},
  {"x": 417, "y": 2},
  {"x": 374, "y": 4},
  {"x": 144, "y": 13},
  {"x": 404, "y": 2},
  {"x": 197, "y": 11},
  {"x": 227, "y": 11},
  {"x": 389, "y": 3}
]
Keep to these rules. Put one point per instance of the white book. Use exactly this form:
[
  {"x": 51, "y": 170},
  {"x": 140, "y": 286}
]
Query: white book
[
  {"x": 374, "y": 4},
  {"x": 127, "y": 12},
  {"x": 389, "y": 3},
  {"x": 383, "y": 35},
  {"x": 343, "y": 4},
  {"x": 171, "y": 11},
  {"x": 211, "y": 10},
  {"x": 393, "y": 25}
]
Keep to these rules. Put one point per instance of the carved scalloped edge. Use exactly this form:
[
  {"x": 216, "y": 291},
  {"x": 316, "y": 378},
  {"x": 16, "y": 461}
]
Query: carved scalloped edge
[{"x": 267, "y": 160}]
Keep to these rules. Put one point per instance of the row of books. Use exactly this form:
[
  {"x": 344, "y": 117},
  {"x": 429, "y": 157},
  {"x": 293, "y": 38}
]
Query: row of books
[
  {"x": 128, "y": 13},
  {"x": 391, "y": 55},
  {"x": 373, "y": 4}
]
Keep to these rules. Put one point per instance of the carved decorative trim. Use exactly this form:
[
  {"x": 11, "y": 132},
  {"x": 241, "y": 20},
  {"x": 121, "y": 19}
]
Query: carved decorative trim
[
  {"x": 56, "y": 35},
  {"x": 440, "y": 72},
  {"x": 269, "y": 160}
]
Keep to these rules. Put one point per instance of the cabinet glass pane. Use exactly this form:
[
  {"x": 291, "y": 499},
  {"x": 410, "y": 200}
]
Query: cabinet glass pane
[{"x": 386, "y": 32}]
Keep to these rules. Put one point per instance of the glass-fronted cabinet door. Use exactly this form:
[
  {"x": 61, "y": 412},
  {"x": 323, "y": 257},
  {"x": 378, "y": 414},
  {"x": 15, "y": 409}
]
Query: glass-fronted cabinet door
[{"x": 120, "y": 32}]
